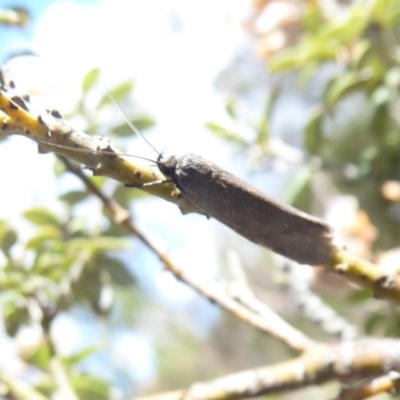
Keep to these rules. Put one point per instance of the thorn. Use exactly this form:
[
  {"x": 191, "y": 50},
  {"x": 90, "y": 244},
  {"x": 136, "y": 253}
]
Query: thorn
[
  {"x": 19, "y": 101},
  {"x": 54, "y": 113}
]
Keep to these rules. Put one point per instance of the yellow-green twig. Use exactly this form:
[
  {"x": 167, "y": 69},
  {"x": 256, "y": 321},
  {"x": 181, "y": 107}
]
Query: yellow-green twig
[{"x": 53, "y": 134}]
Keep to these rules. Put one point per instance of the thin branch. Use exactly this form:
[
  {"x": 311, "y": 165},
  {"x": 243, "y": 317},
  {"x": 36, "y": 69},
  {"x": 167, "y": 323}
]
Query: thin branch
[
  {"x": 383, "y": 384},
  {"x": 322, "y": 363},
  {"x": 19, "y": 389},
  {"x": 279, "y": 328},
  {"x": 383, "y": 284},
  {"x": 312, "y": 306}
]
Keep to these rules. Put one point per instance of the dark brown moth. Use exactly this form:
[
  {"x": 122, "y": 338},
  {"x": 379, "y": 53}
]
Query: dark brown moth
[
  {"x": 248, "y": 211},
  {"x": 245, "y": 209}
]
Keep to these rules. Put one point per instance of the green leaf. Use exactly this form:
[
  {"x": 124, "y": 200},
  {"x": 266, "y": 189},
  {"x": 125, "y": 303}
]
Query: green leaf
[
  {"x": 58, "y": 167},
  {"x": 376, "y": 324},
  {"x": 386, "y": 12},
  {"x": 324, "y": 43},
  {"x": 95, "y": 287},
  {"x": 11, "y": 279},
  {"x": 44, "y": 234},
  {"x": 361, "y": 52},
  {"x": 119, "y": 93},
  {"x": 8, "y": 238},
  {"x": 141, "y": 123},
  {"x": 298, "y": 192},
  {"x": 74, "y": 197},
  {"x": 90, "y": 388},
  {"x": 312, "y": 17},
  {"x": 291, "y": 58},
  {"x": 117, "y": 270},
  {"x": 262, "y": 131},
  {"x": 342, "y": 86},
  {"x": 313, "y": 131},
  {"x": 39, "y": 356},
  {"x": 41, "y": 216},
  {"x": 347, "y": 29},
  {"x": 231, "y": 107},
  {"x": 123, "y": 196},
  {"x": 359, "y": 296},
  {"x": 15, "y": 312},
  {"x": 224, "y": 133},
  {"x": 52, "y": 265},
  {"x": 81, "y": 355},
  {"x": 90, "y": 79}
]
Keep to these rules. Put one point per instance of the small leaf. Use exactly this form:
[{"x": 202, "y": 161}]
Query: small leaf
[
  {"x": 119, "y": 93},
  {"x": 90, "y": 388},
  {"x": 299, "y": 190},
  {"x": 8, "y": 239},
  {"x": 143, "y": 122},
  {"x": 359, "y": 296},
  {"x": 360, "y": 53},
  {"x": 375, "y": 324},
  {"x": 91, "y": 288},
  {"x": 41, "y": 216},
  {"x": 51, "y": 264},
  {"x": 15, "y": 312},
  {"x": 58, "y": 167},
  {"x": 39, "y": 356},
  {"x": 342, "y": 86},
  {"x": 231, "y": 107},
  {"x": 74, "y": 197},
  {"x": 90, "y": 79},
  {"x": 43, "y": 235},
  {"x": 270, "y": 102},
  {"x": 118, "y": 271},
  {"x": 313, "y": 131},
  {"x": 291, "y": 58},
  {"x": 140, "y": 123},
  {"x": 81, "y": 355},
  {"x": 263, "y": 131},
  {"x": 386, "y": 12},
  {"x": 345, "y": 30},
  {"x": 124, "y": 196},
  {"x": 222, "y": 132}
]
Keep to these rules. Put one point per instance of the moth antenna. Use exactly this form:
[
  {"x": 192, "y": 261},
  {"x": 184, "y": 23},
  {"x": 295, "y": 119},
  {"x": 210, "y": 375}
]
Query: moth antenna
[
  {"x": 131, "y": 125},
  {"x": 109, "y": 153}
]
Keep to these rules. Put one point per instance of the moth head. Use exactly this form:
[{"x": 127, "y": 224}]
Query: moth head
[{"x": 168, "y": 166}]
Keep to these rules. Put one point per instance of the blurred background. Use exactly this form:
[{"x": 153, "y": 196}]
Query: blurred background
[{"x": 300, "y": 98}]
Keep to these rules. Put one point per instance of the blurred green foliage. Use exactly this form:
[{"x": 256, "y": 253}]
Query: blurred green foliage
[
  {"x": 64, "y": 265},
  {"x": 354, "y": 129}
]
